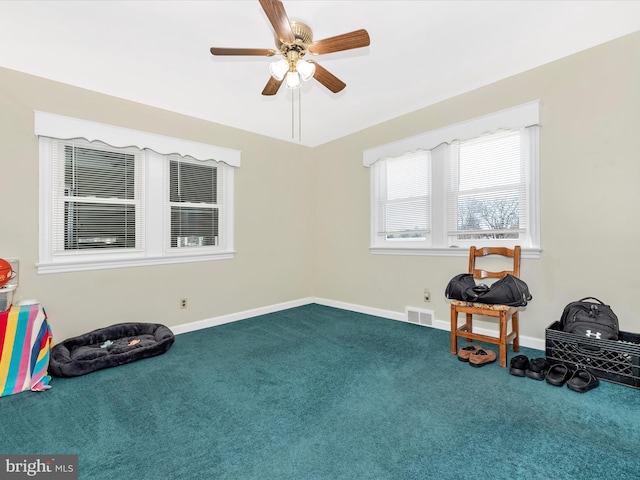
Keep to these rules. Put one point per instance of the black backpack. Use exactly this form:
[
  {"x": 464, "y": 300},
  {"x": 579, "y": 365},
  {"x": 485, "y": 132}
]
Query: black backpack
[{"x": 590, "y": 319}]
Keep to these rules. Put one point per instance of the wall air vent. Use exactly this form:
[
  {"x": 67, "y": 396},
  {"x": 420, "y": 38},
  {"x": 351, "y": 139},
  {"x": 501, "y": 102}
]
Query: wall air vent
[{"x": 419, "y": 316}]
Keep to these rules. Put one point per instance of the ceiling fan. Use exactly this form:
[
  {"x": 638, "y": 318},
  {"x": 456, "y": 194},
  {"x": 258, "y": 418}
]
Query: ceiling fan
[{"x": 293, "y": 41}]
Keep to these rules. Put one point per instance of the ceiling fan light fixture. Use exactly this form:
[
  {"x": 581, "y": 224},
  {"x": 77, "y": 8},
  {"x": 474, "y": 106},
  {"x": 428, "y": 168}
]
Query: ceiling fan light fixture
[
  {"x": 279, "y": 69},
  {"x": 305, "y": 69},
  {"x": 293, "y": 80}
]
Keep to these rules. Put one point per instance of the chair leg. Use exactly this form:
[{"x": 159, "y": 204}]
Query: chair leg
[
  {"x": 469, "y": 318},
  {"x": 454, "y": 327},
  {"x": 516, "y": 328},
  {"x": 503, "y": 339}
]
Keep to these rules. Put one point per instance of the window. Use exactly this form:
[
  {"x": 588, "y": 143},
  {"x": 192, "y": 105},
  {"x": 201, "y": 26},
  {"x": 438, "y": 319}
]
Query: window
[
  {"x": 97, "y": 197},
  {"x": 468, "y": 184},
  {"x": 103, "y": 206},
  {"x": 487, "y": 192},
  {"x": 404, "y": 198},
  {"x": 193, "y": 207}
]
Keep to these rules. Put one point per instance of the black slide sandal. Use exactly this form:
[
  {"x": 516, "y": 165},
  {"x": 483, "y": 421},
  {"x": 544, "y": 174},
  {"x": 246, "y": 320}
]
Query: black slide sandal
[
  {"x": 558, "y": 374},
  {"x": 582, "y": 381}
]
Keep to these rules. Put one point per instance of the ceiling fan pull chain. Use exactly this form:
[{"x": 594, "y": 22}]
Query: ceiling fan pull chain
[
  {"x": 292, "y": 115},
  {"x": 299, "y": 115}
]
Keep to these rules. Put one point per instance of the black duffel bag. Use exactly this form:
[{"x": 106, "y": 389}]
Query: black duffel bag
[
  {"x": 508, "y": 290},
  {"x": 458, "y": 285},
  {"x": 589, "y": 317}
]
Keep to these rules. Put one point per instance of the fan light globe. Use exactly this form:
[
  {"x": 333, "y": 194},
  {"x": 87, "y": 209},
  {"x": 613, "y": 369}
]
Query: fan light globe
[
  {"x": 293, "y": 80},
  {"x": 305, "y": 69},
  {"x": 279, "y": 69}
]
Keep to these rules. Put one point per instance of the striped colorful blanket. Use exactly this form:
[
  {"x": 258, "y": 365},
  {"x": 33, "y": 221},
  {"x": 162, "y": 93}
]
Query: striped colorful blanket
[{"x": 25, "y": 342}]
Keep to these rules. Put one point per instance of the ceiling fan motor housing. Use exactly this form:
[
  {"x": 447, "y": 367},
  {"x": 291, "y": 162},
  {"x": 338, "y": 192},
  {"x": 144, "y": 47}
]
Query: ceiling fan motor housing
[{"x": 303, "y": 38}]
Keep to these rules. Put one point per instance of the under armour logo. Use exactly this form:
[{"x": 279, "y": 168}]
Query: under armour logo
[{"x": 596, "y": 334}]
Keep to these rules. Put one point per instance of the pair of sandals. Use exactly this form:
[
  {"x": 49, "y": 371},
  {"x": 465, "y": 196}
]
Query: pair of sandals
[
  {"x": 535, "y": 368},
  {"x": 580, "y": 380},
  {"x": 476, "y": 355}
]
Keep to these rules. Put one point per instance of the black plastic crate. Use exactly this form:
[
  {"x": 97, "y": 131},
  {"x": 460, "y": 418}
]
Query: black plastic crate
[{"x": 616, "y": 361}]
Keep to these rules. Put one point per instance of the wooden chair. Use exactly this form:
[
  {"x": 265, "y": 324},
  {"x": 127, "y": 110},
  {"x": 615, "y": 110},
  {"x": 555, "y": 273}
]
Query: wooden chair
[{"x": 503, "y": 312}]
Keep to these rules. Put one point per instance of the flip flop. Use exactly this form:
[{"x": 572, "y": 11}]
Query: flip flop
[
  {"x": 558, "y": 374},
  {"x": 582, "y": 381},
  {"x": 465, "y": 352}
]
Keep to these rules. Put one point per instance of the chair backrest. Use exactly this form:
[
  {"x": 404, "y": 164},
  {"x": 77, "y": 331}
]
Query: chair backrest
[{"x": 474, "y": 253}]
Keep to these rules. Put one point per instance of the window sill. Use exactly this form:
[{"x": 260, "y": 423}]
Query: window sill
[
  {"x": 75, "y": 266},
  {"x": 443, "y": 252}
]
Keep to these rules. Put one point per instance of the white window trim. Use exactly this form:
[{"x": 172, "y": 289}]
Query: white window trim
[
  {"x": 50, "y": 126},
  {"x": 511, "y": 118},
  {"x": 66, "y": 128},
  {"x": 525, "y": 115}
]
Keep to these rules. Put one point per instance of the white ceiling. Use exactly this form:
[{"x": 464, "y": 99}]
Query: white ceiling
[{"x": 421, "y": 52}]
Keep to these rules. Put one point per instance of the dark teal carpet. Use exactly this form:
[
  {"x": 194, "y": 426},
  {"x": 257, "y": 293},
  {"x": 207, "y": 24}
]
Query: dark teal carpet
[{"x": 321, "y": 393}]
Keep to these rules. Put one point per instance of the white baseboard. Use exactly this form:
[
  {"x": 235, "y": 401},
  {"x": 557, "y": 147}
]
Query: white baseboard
[
  {"x": 530, "y": 342},
  {"x": 352, "y": 307},
  {"x": 234, "y": 317}
]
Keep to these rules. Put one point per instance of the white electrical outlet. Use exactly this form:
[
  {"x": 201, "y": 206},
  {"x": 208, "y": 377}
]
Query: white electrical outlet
[
  {"x": 427, "y": 295},
  {"x": 183, "y": 303}
]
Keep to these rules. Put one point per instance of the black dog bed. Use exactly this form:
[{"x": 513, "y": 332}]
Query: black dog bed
[{"x": 109, "y": 347}]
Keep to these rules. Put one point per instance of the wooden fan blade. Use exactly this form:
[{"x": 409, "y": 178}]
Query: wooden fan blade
[
  {"x": 263, "y": 52},
  {"x": 279, "y": 20},
  {"x": 327, "y": 78},
  {"x": 346, "y": 41},
  {"x": 272, "y": 86}
]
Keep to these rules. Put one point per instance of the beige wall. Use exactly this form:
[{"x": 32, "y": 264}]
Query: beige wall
[
  {"x": 302, "y": 215},
  {"x": 273, "y": 225},
  {"x": 590, "y": 193}
]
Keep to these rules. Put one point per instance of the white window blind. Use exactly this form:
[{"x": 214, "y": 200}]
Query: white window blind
[
  {"x": 194, "y": 206},
  {"x": 97, "y": 197},
  {"x": 405, "y": 210},
  {"x": 487, "y": 194}
]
